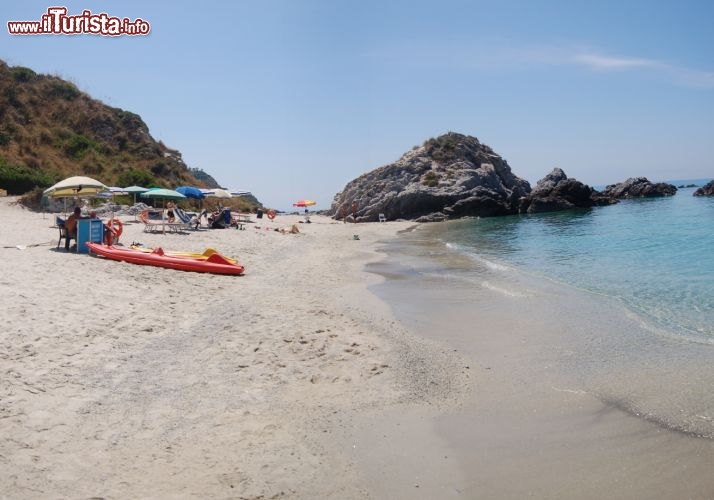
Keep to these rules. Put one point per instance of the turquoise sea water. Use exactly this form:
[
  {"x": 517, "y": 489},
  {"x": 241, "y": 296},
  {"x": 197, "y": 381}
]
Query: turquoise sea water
[
  {"x": 589, "y": 337},
  {"x": 655, "y": 256}
]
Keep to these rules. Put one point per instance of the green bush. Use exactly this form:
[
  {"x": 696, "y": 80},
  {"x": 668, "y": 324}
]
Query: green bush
[
  {"x": 20, "y": 74},
  {"x": 19, "y": 179},
  {"x": 430, "y": 179},
  {"x": 129, "y": 120},
  {"x": 63, "y": 90},
  {"x": 134, "y": 177},
  {"x": 78, "y": 145},
  {"x": 441, "y": 149}
]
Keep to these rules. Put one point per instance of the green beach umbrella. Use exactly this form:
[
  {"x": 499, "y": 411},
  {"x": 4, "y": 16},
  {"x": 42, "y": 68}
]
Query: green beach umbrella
[
  {"x": 134, "y": 190},
  {"x": 162, "y": 194}
]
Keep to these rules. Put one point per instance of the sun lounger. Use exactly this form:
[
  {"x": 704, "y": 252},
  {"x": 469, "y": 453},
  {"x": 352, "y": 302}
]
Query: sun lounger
[
  {"x": 160, "y": 226},
  {"x": 151, "y": 226},
  {"x": 192, "y": 222}
]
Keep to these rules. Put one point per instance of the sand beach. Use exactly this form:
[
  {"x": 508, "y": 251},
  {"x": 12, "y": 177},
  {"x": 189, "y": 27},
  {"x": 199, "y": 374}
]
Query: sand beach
[
  {"x": 331, "y": 369},
  {"x": 126, "y": 381}
]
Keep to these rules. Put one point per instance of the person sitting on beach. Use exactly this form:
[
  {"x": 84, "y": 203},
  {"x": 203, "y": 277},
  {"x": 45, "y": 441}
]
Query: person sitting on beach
[
  {"x": 292, "y": 230},
  {"x": 71, "y": 227}
]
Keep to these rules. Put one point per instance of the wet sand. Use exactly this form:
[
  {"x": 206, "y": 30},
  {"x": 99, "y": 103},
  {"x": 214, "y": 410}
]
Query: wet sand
[{"x": 572, "y": 396}]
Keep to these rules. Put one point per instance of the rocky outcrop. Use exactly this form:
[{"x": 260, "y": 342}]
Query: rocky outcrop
[
  {"x": 556, "y": 192},
  {"x": 639, "y": 187},
  {"x": 448, "y": 177},
  {"x": 707, "y": 190}
]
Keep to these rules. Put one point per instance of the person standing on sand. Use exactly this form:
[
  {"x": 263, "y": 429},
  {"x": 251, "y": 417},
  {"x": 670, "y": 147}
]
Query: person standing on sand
[{"x": 170, "y": 212}]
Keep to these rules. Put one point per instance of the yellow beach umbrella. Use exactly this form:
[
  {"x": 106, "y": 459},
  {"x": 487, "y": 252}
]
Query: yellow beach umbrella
[{"x": 76, "y": 186}]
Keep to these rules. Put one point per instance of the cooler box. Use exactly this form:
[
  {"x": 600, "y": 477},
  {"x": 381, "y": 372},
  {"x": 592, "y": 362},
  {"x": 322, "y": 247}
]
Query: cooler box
[{"x": 89, "y": 230}]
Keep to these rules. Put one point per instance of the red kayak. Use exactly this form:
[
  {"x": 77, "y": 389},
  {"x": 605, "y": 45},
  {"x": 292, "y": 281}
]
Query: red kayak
[{"x": 215, "y": 263}]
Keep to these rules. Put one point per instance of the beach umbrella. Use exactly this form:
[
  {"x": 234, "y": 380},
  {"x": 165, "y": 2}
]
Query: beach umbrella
[
  {"x": 162, "y": 194},
  {"x": 113, "y": 191},
  {"x": 218, "y": 193},
  {"x": 304, "y": 203},
  {"x": 239, "y": 192},
  {"x": 134, "y": 190},
  {"x": 76, "y": 186},
  {"x": 191, "y": 192}
]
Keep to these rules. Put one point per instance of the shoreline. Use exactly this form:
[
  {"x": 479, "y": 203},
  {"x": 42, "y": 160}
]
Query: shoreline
[
  {"x": 335, "y": 368},
  {"x": 134, "y": 381},
  {"x": 560, "y": 410}
]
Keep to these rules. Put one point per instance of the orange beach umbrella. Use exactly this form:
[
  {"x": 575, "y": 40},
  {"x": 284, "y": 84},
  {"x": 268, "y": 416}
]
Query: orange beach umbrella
[{"x": 304, "y": 203}]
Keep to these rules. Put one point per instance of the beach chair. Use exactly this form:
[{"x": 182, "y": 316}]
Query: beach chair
[
  {"x": 152, "y": 225},
  {"x": 178, "y": 227},
  {"x": 62, "y": 231},
  {"x": 191, "y": 222},
  {"x": 382, "y": 218},
  {"x": 221, "y": 220}
]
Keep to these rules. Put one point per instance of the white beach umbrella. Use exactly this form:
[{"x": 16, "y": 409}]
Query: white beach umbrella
[
  {"x": 218, "y": 193},
  {"x": 76, "y": 186},
  {"x": 239, "y": 192}
]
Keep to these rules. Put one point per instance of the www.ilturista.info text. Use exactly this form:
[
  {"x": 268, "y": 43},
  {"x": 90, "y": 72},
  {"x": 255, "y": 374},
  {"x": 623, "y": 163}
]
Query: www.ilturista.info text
[{"x": 57, "y": 22}]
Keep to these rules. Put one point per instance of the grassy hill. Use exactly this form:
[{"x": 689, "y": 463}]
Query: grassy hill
[{"x": 50, "y": 130}]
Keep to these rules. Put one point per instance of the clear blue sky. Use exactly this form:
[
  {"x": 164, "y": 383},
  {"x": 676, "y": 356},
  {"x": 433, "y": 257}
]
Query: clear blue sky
[{"x": 294, "y": 98}]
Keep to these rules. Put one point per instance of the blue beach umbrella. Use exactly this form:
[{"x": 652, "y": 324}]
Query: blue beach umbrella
[{"x": 191, "y": 192}]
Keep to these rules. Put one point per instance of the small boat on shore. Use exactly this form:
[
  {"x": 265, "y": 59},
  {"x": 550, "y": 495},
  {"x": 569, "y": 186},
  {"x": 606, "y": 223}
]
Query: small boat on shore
[
  {"x": 214, "y": 263},
  {"x": 186, "y": 255}
]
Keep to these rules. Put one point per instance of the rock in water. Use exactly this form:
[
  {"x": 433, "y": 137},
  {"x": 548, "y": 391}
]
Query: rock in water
[
  {"x": 639, "y": 187},
  {"x": 453, "y": 175},
  {"x": 556, "y": 192},
  {"x": 707, "y": 190}
]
